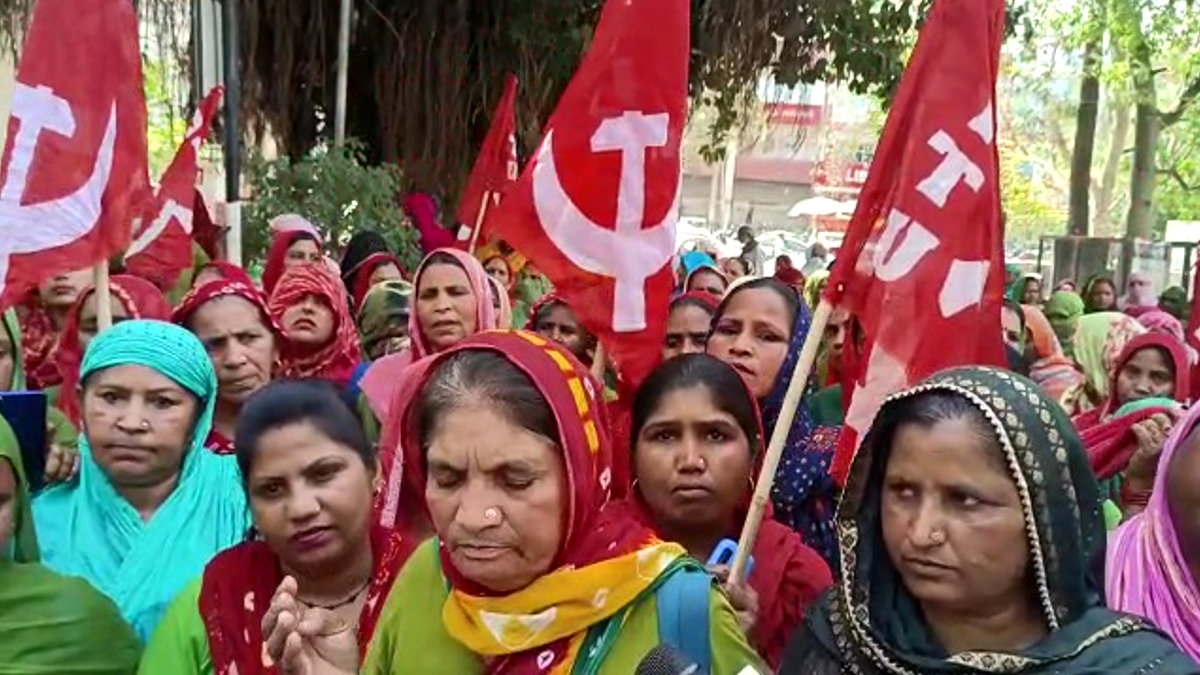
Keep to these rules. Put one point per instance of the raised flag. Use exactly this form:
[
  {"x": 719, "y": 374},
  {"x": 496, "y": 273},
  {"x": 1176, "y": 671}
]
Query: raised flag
[
  {"x": 922, "y": 265},
  {"x": 162, "y": 247},
  {"x": 74, "y": 172},
  {"x": 596, "y": 207},
  {"x": 495, "y": 169}
]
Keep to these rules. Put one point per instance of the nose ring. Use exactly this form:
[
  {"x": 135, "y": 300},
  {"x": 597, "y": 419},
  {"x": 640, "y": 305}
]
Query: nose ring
[{"x": 492, "y": 515}]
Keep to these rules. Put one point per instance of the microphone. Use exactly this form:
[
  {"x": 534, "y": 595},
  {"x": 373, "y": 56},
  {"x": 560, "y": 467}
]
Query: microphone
[{"x": 666, "y": 660}]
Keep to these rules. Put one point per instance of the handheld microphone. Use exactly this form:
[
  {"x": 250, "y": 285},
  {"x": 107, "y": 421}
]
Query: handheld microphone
[{"x": 666, "y": 660}]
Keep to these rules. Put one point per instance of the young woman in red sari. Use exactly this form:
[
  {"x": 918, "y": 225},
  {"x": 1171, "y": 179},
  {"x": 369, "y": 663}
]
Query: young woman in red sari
[
  {"x": 697, "y": 441},
  {"x": 309, "y": 473},
  {"x": 42, "y": 315},
  {"x": 1125, "y": 435},
  {"x": 133, "y": 298},
  {"x": 232, "y": 320},
  {"x": 290, "y": 248},
  {"x": 311, "y": 306}
]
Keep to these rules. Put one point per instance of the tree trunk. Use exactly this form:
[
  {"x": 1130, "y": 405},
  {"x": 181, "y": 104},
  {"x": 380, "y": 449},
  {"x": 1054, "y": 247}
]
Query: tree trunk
[
  {"x": 1085, "y": 140},
  {"x": 1106, "y": 192},
  {"x": 1145, "y": 148}
]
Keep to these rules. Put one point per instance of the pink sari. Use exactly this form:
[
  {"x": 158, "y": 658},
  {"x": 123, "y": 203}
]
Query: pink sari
[{"x": 1147, "y": 574}]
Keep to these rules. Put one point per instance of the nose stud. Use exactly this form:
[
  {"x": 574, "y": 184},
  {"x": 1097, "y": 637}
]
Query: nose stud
[
  {"x": 937, "y": 537},
  {"x": 492, "y": 515}
]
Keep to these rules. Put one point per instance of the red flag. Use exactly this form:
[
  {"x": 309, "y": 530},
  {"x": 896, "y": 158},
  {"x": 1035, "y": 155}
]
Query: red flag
[
  {"x": 74, "y": 171},
  {"x": 494, "y": 170},
  {"x": 922, "y": 266},
  {"x": 162, "y": 247},
  {"x": 596, "y": 208}
]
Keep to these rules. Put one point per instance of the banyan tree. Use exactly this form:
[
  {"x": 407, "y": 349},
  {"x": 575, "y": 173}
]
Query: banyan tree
[{"x": 424, "y": 75}]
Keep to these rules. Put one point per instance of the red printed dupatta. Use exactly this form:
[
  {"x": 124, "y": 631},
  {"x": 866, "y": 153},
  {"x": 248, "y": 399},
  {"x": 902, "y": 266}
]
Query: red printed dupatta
[{"x": 237, "y": 588}]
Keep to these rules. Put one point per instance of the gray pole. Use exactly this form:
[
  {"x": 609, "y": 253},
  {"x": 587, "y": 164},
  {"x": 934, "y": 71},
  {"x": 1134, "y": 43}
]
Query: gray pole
[
  {"x": 233, "y": 138},
  {"x": 343, "y": 68}
]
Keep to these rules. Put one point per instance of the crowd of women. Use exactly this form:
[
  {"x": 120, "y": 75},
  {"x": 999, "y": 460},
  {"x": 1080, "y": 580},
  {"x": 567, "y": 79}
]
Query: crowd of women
[{"x": 355, "y": 468}]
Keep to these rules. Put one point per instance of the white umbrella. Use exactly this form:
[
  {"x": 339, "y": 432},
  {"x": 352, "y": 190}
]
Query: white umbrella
[{"x": 815, "y": 206}]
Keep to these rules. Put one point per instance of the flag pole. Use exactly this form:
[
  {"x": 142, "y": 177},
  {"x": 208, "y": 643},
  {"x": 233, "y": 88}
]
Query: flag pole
[
  {"x": 104, "y": 311},
  {"x": 483, "y": 207},
  {"x": 766, "y": 475},
  {"x": 599, "y": 363}
]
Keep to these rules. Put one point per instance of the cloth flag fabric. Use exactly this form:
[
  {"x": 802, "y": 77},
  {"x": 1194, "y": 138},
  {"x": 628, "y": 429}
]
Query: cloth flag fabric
[
  {"x": 922, "y": 265},
  {"x": 162, "y": 247},
  {"x": 495, "y": 169},
  {"x": 74, "y": 171},
  {"x": 596, "y": 207}
]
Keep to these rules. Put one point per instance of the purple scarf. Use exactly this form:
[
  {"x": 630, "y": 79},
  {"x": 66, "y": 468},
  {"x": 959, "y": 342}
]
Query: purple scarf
[{"x": 1147, "y": 574}]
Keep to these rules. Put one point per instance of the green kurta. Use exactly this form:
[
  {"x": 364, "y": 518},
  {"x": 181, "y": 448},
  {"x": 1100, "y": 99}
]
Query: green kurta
[
  {"x": 179, "y": 644},
  {"x": 410, "y": 637}
]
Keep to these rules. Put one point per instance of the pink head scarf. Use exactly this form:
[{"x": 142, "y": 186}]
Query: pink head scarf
[
  {"x": 1147, "y": 574},
  {"x": 382, "y": 379}
]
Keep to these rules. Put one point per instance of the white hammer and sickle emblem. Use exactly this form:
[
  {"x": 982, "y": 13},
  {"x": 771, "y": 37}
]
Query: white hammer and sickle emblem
[
  {"x": 629, "y": 254},
  {"x": 50, "y": 224}
]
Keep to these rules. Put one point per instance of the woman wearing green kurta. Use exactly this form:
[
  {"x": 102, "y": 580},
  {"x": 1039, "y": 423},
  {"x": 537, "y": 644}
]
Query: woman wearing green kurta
[
  {"x": 972, "y": 541},
  {"x": 151, "y": 506},
  {"x": 49, "y": 623},
  {"x": 532, "y": 571}
]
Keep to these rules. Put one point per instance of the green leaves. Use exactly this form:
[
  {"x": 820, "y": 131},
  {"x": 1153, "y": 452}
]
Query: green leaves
[{"x": 336, "y": 190}]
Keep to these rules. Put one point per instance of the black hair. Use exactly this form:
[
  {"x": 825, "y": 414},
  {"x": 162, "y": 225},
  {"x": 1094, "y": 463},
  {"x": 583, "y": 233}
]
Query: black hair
[
  {"x": 721, "y": 381},
  {"x": 790, "y": 296},
  {"x": 482, "y": 375},
  {"x": 928, "y": 409},
  {"x": 286, "y": 402}
]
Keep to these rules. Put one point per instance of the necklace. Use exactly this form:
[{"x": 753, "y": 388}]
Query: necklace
[{"x": 338, "y": 605}]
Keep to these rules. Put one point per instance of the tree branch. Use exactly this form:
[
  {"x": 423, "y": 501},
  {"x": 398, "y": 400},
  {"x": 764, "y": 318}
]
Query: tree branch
[
  {"x": 1185, "y": 101},
  {"x": 1173, "y": 173}
]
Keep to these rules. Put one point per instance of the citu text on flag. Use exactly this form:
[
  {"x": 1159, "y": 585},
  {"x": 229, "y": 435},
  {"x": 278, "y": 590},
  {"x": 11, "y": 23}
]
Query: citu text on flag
[{"x": 922, "y": 265}]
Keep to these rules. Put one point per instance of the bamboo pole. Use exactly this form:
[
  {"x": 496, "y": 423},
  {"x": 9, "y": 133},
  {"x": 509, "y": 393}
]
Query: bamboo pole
[
  {"x": 104, "y": 311},
  {"x": 766, "y": 476},
  {"x": 599, "y": 363},
  {"x": 483, "y": 209}
]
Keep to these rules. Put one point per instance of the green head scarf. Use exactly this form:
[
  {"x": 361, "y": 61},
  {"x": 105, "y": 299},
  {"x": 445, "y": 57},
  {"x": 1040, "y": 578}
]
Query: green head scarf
[
  {"x": 1174, "y": 301},
  {"x": 813, "y": 286},
  {"x": 1063, "y": 310},
  {"x": 13, "y": 328},
  {"x": 23, "y": 547},
  {"x": 386, "y": 307},
  {"x": 872, "y": 623}
]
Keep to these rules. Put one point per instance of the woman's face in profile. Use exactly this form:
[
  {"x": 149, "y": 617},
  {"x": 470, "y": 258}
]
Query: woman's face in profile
[{"x": 952, "y": 519}]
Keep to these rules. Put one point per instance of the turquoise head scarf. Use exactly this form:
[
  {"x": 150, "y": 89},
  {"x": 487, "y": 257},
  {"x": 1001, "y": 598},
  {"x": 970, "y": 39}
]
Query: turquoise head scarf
[{"x": 88, "y": 529}]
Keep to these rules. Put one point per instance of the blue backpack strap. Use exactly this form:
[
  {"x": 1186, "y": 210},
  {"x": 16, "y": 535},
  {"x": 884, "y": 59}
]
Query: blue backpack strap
[{"x": 683, "y": 604}]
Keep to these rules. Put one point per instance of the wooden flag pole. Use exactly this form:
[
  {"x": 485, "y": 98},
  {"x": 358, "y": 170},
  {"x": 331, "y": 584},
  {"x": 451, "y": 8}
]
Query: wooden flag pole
[
  {"x": 104, "y": 311},
  {"x": 599, "y": 363},
  {"x": 483, "y": 208},
  {"x": 766, "y": 476}
]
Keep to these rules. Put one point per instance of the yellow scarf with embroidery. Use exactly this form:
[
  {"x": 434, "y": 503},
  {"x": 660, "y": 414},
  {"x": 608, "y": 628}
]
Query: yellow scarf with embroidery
[{"x": 560, "y": 605}]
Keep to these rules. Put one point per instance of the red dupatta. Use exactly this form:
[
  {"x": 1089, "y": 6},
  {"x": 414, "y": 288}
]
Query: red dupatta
[
  {"x": 233, "y": 286},
  {"x": 594, "y": 531},
  {"x": 788, "y": 576},
  {"x": 1110, "y": 442},
  {"x": 364, "y": 270},
  {"x": 336, "y": 360},
  {"x": 237, "y": 588},
  {"x": 140, "y": 299},
  {"x": 277, "y": 256},
  {"x": 38, "y": 338}
]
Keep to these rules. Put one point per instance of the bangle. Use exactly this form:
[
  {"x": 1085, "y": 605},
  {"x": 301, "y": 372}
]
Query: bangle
[{"x": 1131, "y": 498}]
